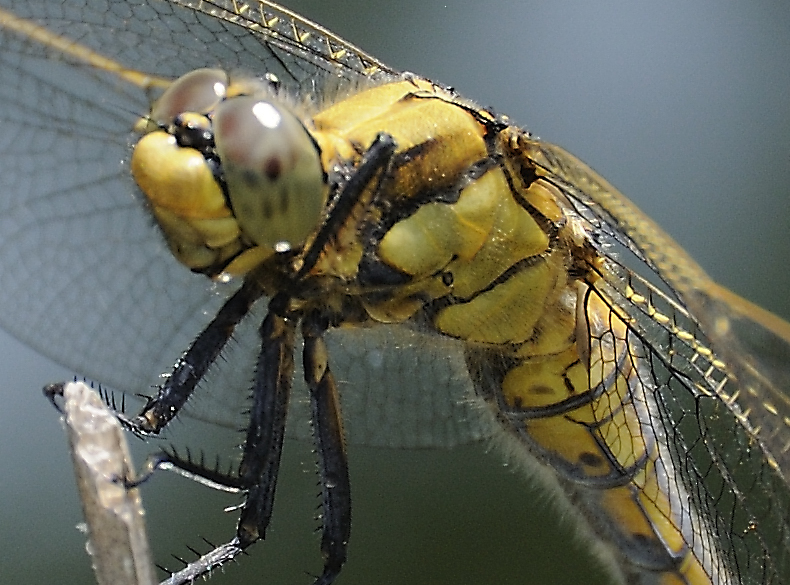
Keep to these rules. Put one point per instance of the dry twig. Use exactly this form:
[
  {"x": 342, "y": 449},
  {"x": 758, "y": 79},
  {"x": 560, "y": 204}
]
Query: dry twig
[{"x": 117, "y": 540}]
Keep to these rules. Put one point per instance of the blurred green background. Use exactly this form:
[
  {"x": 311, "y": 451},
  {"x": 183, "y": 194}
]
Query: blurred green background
[{"x": 684, "y": 107}]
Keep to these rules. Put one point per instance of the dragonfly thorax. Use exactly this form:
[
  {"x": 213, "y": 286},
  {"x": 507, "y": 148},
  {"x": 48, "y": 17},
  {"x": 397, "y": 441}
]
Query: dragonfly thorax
[{"x": 231, "y": 176}]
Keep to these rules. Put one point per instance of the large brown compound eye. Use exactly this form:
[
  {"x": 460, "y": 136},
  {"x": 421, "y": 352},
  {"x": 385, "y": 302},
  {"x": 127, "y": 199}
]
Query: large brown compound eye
[
  {"x": 199, "y": 91},
  {"x": 272, "y": 170}
]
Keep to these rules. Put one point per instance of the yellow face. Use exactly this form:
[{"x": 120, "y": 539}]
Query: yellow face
[{"x": 231, "y": 177}]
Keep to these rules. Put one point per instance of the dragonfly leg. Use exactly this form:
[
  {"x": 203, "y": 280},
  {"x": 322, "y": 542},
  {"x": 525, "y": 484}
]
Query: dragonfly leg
[
  {"x": 330, "y": 446},
  {"x": 263, "y": 446},
  {"x": 349, "y": 188},
  {"x": 192, "y": 366}
]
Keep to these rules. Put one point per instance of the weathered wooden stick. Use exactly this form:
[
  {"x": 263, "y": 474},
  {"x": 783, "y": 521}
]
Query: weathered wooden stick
[{"x": 117, "y": 539}]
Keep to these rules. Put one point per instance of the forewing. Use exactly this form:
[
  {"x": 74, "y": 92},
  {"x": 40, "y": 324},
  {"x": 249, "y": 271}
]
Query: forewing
[{"x": 87, "y": 279}]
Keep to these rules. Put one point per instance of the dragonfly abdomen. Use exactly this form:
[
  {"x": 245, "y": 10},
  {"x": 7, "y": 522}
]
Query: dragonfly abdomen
[{"x": 588, "y": 414}]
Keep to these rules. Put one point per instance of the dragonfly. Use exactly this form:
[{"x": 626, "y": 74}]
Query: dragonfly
[{"x": 619, "y": 238}]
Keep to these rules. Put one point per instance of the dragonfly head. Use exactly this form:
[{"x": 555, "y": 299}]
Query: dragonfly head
[{"x": 231, "y": 176}]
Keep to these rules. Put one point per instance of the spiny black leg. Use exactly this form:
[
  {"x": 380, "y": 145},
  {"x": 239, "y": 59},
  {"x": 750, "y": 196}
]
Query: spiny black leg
[
  {"x": 217, "y": 557},
  {"x": 192, "y": 366},
  {"x": 263, "y": 446},
  {"x": 375, "y": 159},
  {"x": 331, "y": 448}
]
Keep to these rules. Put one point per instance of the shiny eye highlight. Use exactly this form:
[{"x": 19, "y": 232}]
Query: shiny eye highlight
[
  {"x": 198, "y": 91},
  {"x": 272, "y": 170}
]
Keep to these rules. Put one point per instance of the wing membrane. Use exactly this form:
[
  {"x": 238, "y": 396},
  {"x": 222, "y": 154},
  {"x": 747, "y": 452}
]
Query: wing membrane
[
  {"x": 750, "y": 343},
  {"x": 80, "y": 238},
  {"x": 732, "y": 465},
  {"x": 300, "y": 45}
]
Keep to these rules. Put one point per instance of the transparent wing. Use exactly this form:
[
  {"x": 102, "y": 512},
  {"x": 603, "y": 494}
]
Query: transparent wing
[
  {"x": 399, "y": 388},
  {"x": 81, "y": 260},
  {"x": 698, "y": 366},
  {"x": 754, "y": 344}
]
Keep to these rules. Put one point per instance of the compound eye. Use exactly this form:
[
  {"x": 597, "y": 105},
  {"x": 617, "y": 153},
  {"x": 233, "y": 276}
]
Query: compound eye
[
  {"x": 198, "y": 91},
  {"x": 272, "y": 170}
]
